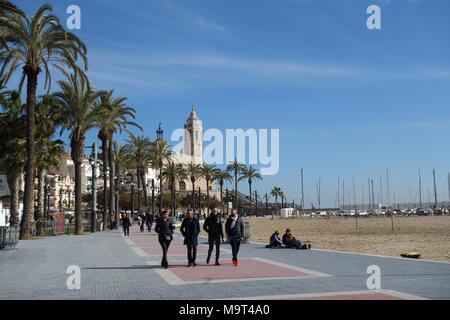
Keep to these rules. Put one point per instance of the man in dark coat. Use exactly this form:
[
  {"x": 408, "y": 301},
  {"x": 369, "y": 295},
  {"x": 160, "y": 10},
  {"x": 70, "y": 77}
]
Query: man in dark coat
[
  {"x": 213, "y": 226},
  {"x": 190, "y": 228},
  {"x": 164, "y": 228},
  {"x": 234, "y": 228},
  {"x": 126, "y": 224}
]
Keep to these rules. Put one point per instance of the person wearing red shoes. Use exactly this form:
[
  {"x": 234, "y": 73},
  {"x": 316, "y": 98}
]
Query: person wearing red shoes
[
  {"x": 234, "y": 228},
  {"x": 213, "y": 227}
]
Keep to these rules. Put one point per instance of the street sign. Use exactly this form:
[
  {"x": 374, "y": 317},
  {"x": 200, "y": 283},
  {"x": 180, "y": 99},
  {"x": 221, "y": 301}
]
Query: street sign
[{"x": 4, "y": 189}]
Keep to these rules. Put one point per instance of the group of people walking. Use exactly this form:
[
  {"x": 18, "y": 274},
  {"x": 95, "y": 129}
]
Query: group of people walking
[{"x": 190, "y": 229}]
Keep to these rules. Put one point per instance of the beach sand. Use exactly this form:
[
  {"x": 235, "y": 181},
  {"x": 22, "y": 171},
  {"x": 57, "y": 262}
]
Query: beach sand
[{"x": 428, "y": 235}]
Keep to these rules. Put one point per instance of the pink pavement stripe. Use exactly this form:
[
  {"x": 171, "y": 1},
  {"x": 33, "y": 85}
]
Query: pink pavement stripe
[
  {"x": 173, "y": 250},
  {"x": 247, "y": 269},
  {"x": 362, "y": 296}
]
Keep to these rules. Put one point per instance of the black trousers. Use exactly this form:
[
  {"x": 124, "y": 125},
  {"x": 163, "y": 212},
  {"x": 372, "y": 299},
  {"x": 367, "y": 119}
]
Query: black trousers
[
  {"x": 165, "y": 247},
  {"x": 126, "y": 230},
  {"x": 211, "y": 243},
  {"x": 191, "y": 252},
  {"x": 235, "y": 242}
]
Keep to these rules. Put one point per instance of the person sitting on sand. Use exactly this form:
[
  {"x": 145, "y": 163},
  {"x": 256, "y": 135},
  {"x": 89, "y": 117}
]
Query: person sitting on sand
[
  {"x": 291, "y": 242},
  {"x": 275, "y": 240}
]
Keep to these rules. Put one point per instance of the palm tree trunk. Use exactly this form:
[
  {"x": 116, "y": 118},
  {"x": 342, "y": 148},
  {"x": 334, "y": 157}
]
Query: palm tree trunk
[
  {"x": 221, "y": 197},
  {"x": 105, "y": 181},
  {"x": 112, "y": 191},
  {"x": 173, "y": 199},
  {"x": 160, "y": 190},
  {"x": 250, "y": 205},
  {"x": 193, "y": 195},
  {"x": 117, "y": 198},
  {"x": 207, "y": 195},
  {"x": 235, "y": 189},
  {"x": 13, "y": 181},
  {"x": 40, "y": 208},
  {"x": 144, "y": 188},
  {"x": 77, "y": 157},
  {"x": 25, "y": 223},
  {"x": 139, "y": 189}
]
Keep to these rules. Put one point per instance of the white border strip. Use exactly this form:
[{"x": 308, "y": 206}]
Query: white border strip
[
  {"x": 139, "y": 252},
  {"x": 328, "y": 294}
]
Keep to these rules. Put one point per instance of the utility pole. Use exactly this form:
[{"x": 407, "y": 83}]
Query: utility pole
[
  {"x": 303, "y": 197},
  {"x": 420, "y": 190},
  {"x": 354, "y": 202},
  {"x": 435, "y": 192},
  {"x": 256, "y": 202},
  {"x": 338, "y": 196},
  {"x": 373, "y": 203},
  {"x": 388, "y": 189},
  {"x": 267, "y": 207}
]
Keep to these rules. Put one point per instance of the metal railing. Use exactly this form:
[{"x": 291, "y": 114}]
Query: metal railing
[{"x": 9, "y": 237}]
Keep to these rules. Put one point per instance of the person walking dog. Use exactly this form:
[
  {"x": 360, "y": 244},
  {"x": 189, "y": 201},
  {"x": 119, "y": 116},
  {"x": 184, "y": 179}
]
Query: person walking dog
[
  {"x": 234, "y": 228},
  {"x": 213, "y": 226},
  {"x": 190, "y": 228},
  {"x": 164, "y": 229}
]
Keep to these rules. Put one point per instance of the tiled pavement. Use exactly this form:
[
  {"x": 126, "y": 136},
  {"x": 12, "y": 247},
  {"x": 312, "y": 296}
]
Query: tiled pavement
[{"x": 115, "y": 267}]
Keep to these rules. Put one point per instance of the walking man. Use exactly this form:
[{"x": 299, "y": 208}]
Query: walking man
[
  {"x": 190, "y": 228},
  {"x": 213, "y": 226},
  {"x": 149, "y": 221},
  {"x": 234, "y": 228},
  {"x": 126, "y": 224},
  {"x": 164, "y": 228}
]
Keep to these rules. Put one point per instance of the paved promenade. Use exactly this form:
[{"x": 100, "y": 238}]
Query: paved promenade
[{"x": 115, "y": 267}]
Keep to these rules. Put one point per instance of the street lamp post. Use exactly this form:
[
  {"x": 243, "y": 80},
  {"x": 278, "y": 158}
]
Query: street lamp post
[
  {"x": 199, "y": 201},
  {"x": 94, "y": 165},
  {"x": 153, "y": 196},
  {"x": 132, "y": 196},
  {"x": 68, "y": 201},
  {"x": 60, "y": 198},
  {"x": 256, "y": 202}
]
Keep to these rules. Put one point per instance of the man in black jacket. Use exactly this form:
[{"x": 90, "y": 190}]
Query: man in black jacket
[
  {"x": 213, "y": 226},
  {"x": 126, "y": 224},
  {"x": 190, "y": 228},
  {"x": 164, "y": 228},
  {"x": 234, "y": 228}
]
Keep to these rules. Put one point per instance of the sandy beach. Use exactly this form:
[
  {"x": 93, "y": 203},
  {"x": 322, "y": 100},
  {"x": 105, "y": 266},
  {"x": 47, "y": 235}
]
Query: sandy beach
[{"x": 428, "y": 235}]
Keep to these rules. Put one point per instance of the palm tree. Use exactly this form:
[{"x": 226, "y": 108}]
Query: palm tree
[
  {"x": 276, "y": 191},
  {"x": 47, "y": 157},
  {"x": 172, "y": 172},
  {"x": 140, "y": 149},
  {"x": 112, "y": 113},
  {"x": 222, "y": 176},
  {"x": 76, "y": 100},
  {"x": 209, "y": 173},
  {"x": 193, "y": 172},
  {"x": 12, "y": 148},
  {"x": 236, "y": 168},
  {"x": 159, "y": 155},
  {"x": 35, "y": 43},
  {"x": 250, "y": 174},
  {"x": 122, "y": 159}
]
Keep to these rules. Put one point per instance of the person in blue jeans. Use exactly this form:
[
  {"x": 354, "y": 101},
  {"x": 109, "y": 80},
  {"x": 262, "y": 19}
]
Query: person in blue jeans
[
  {"x": 275, "y": 240},
  {"x": 234, "y": 228}
]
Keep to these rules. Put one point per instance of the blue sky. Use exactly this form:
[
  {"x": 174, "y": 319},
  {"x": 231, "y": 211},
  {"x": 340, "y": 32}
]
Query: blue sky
[{"x": 347, "y": 100}]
